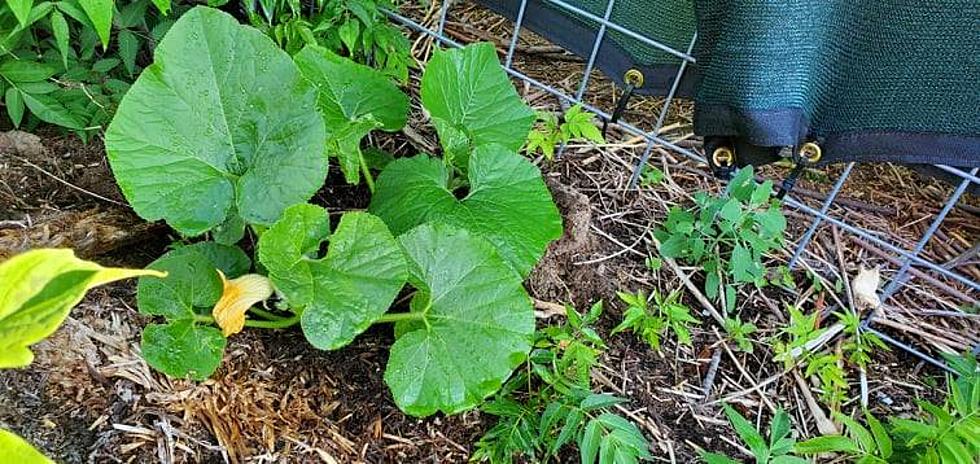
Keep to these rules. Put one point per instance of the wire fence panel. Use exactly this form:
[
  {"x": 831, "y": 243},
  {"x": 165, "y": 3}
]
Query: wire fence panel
[{"x": 909, "y": 262}]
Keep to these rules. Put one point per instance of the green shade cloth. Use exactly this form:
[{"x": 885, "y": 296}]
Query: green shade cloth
[{"x": 879, "y": 80}]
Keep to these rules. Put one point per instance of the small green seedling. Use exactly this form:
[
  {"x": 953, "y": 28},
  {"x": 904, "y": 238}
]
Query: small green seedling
[
  {"x": 802, "y": 329},
  {"x": 860, "y": 343},
  {"x": 791, "y": 348},
  {"x": 830, "y": 373},
  {"x": 727, "y": 236},
  {"x": 775, "y": 450},
  {"x": 860, "y": 445},
  {"x": 576, "y": 124},
  {"x": 667, "y": 314},
  {"x": 652, "y": 176},
  {"x": 740, "y": 332},
  {"x": 550, "y": 405}
]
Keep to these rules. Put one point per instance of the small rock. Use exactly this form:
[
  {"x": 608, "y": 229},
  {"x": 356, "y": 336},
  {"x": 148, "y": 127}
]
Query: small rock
[{"x": 20, "y": 143}]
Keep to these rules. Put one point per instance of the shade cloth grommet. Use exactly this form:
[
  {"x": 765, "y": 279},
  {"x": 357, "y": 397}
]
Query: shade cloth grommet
[
  {"x": 723, "y": 157},
  {"x": 811, "y": 152},
  {"x": 634, "y": 78}
]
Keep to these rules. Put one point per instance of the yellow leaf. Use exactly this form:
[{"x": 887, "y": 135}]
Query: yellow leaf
[
  {"x": 15, "y": 449},
  {"x": 38, "y": 289},
  {"x": 865, "y": 288},
  {"x": 236, "y": 297}
]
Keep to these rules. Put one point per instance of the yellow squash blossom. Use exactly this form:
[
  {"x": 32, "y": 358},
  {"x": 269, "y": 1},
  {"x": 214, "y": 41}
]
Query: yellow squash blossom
[{"x": 237, "y": 296}]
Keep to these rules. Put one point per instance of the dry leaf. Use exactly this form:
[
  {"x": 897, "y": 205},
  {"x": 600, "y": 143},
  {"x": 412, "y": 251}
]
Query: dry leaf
[
  {"x": 865, "y": 288},
  {"x": 236, "y": 297}
]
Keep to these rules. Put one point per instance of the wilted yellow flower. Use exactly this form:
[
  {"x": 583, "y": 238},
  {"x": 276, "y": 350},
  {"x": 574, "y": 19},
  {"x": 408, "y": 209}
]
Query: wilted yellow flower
[{"x": 236, "y": 297}]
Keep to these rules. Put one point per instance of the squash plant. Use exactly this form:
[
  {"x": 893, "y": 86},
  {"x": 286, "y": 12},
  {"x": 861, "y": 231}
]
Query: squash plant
[{"x": 226, "y": 133}]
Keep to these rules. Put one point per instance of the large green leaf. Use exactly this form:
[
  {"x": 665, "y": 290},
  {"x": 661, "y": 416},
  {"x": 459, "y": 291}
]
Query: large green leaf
[
  {"x": 346, "y": 291},
  {"x": 100, "y": 13},
  {"x": 467, "y": 91},
  {"x": 183, "y": 348},
  {"x": 222, "y": 123},
  {"x": 354, "y": 100},
  {"x": 192, "y": 285},
  {"x": 59, "y": 28},
  {"x": 38, "y": 290},
  {"x": 21, "y": 71},
  {"x": 508, "y": 202},
  {"x": 474, "y": 323},
  {"x": 15, "y": 105},
  {"x": 14, "y": 449}
]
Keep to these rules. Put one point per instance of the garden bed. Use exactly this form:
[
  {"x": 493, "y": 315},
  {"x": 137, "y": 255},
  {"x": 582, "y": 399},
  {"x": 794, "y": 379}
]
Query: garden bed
[{"x": 90, "y": 397}]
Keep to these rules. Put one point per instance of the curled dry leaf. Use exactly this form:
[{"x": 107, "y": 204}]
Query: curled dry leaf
[
  {"x": 865, "y": 288},
  {"x": 237, "y": 296}
]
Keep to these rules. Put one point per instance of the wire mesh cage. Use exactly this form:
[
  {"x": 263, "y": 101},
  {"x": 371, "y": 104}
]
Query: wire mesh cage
[{"x": 928, "y": 252}]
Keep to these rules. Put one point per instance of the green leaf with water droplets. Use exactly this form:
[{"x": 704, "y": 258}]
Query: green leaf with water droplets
[
  {"x": 473, "y": 326},
  {"x": 347, "y": 290},
  {"x": 183, "y": 349},
  {"x": 192, "y": 285},
  {"x": 354, "y": 100},
  {"x": 507, "y": 203},
  {"x": 221, "y": 123},
  {"x": 467, "y": 92}
]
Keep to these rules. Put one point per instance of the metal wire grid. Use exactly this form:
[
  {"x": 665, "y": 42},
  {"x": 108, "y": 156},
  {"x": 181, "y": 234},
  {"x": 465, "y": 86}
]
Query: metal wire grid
[{"x": 908, "y": 258}]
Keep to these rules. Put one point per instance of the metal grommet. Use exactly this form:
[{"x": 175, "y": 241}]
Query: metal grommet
[
  {"x": 634, "y": 78},
  {"x": 723, "y": 157},
  {"x": 811, "y": 152}
]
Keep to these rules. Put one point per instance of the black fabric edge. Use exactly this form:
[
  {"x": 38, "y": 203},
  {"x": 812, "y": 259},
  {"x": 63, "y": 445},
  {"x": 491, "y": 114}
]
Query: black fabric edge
[
  {"x": 765, "y": 128},
  {"x": 902, "y": 147},
  {"x": 754, "y": 132},
  {"x": 578, "y": 39}
]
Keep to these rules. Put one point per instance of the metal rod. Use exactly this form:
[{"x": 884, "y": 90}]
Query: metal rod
[
  {"x": 618, "y": 28},
  {"x": 900, "y": 277},
  {"x": 595, "y": 51},
  {"x": 909, "y": 349},
  {"x": 972, "y": 178},
  {"x": 641, "y": 165},
  {"x": 589, "y": 65},
  {"x": 877, "y": 241},
  {"x": 517, "y": 33},
  {"x": 443, "y": 12},
  {"x": 805, "y": 240}
]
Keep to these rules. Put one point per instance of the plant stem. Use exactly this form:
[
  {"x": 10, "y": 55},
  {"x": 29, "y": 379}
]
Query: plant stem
[
  {"x": 277, "y": 324},
  {"x": 368, "y": 178},
  {"x": 395, "y": 317},
  {"x": 266, "y": 314},
  {"x": 281, "y": 323}
]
